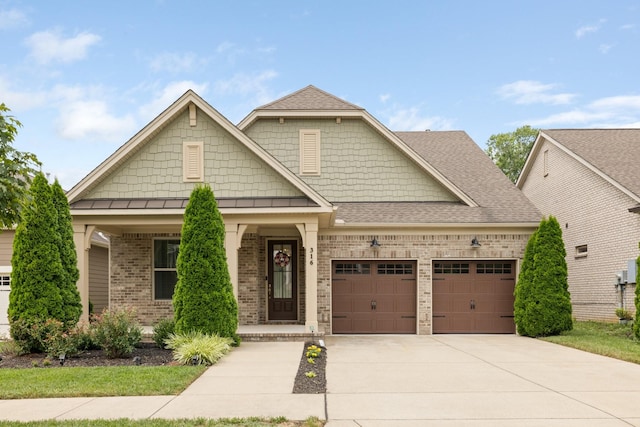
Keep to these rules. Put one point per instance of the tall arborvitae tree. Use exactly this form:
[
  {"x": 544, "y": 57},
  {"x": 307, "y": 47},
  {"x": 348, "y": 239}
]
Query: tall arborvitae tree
[
  {"x": 548, "y": 306},
  {"x": 71, "y": 304},
  {"x": 36, "y": 267},
  {"x": 522, "y": 291},
  {"x": 203, "y": 299}
]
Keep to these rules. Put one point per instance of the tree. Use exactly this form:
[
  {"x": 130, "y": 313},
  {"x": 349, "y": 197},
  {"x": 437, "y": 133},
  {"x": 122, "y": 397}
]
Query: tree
[
  {"x": 203, "y": 299},
  {"x": 509, "y": 150},
  {"x": 71, "y": 304},
  {"x": 523, "y": 287},
  {"x": 36, "y": 267},
  {"x": 16, "y": 170},
  {"x": 546, "y": 308}
]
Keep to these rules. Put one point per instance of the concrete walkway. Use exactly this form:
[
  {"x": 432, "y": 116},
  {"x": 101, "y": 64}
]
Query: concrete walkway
[{"x": 449, "y": 380}]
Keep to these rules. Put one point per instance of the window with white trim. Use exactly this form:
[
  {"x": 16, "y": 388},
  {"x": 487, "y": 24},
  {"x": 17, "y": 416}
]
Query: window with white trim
[
  {"x": 193, "y": 161},
  {"x": 165, "y": 273},
  {"x": 581, "y": 251},
  {"x": 309, "y": 151}
]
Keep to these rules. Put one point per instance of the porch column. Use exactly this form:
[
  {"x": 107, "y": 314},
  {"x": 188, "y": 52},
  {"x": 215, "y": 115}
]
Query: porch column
[
  {"x": 82, "y": 241},
  {"x": 233, "y": 242},
  {"x": 311, "y": 276}
]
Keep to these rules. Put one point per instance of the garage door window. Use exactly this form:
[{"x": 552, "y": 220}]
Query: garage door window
[
  {"x": 450, "y": 268},
  {"x": 395, "y": 269},
  {"x": 493, "y": 268},
  {"x": 5, "y": 281},
  {"x": 349, "y": 268}
]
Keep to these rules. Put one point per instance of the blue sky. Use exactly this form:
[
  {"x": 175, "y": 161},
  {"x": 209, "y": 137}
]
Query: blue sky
[{"x": 83, "y": 77}]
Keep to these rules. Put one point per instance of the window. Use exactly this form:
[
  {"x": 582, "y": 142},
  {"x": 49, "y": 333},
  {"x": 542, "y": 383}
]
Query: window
[
  {"x": 309, "y": 151},
  {"x": 395, "y": 268},
  {"x": 493, "y": 268},
  {"x": 581, "y": 251},
  {"x": 450, "y": 268},
  {"x": 5, "y": 281},
  {"x": 192, "y": 162},
  {"x": 349, "y": 268},
  {"x": 165, "y": 275}
]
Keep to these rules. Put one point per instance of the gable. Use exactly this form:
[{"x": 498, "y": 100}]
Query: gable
[
  {"x": 156, "y": 170},
  {"x": 357, "y": 163}
]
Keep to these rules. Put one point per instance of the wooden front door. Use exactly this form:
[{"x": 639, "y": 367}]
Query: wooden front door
[{"x": 282, "y": 280}]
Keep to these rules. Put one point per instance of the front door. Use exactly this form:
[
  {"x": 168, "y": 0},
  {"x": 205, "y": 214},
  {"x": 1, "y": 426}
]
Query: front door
[{"x": 282, "y": 280}]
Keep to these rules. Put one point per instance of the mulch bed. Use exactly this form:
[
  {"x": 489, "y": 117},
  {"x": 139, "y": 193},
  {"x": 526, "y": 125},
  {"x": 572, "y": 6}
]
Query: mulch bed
[
  {"x": 149, "y": 355},
  {"x": 314, "y": 385}
]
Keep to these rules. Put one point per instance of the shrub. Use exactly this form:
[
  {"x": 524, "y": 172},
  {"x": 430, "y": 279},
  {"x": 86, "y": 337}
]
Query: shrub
[
  {"x": 71, "y": 305},
  {"x": 203, "y": 299},
  {"x": 36, "y": 266},
  {"x": 623, "y": 314},
  {"x": 116, "y": 332},
  {"x": 195, "y": 347},
  {"x": 636, "y": 324},
  {"x": 543, "y": 303},
  {"x": 30, "y": 335},
  {"x": 162, "y": 330}
]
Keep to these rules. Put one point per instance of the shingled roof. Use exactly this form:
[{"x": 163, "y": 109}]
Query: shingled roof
[
  {"x": 459, "y": 159},
  {"x": 310, "y": 98},
  {"x": 614, "y": 152}
]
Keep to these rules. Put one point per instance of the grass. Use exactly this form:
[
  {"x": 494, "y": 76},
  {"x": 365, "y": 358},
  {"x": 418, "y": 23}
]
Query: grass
[
  {"x": 96, "y": 381},
  {"x": 608, "y": 339},
  {"x": 198, "y": 422}
]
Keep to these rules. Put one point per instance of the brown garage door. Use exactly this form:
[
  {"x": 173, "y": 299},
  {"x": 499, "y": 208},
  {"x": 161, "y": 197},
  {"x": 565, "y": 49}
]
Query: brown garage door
[
  {"x": 373, "y": 297},
  {"x": 473, "y": 297}
]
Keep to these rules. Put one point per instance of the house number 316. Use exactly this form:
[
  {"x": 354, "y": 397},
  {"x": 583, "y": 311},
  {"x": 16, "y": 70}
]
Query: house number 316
[{"x": 310, "y": 256}]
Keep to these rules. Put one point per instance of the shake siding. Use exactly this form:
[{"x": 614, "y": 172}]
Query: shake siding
[
  {"x": 156, "y": 170},
  {"x": 591, "y": 212},
  {"x": 357, "y": 163},
  {"x": 6, "y": 246}
]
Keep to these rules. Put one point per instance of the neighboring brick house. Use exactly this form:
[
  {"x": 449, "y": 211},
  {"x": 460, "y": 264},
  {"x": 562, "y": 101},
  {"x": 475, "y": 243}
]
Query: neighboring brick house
[
  {"x": 589, "y": 179},
  {"x": 332, "y": 221}
]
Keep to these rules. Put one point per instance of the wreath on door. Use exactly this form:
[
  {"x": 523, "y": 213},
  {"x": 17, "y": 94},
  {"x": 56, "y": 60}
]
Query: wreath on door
[{"x": 281, "y": 259}]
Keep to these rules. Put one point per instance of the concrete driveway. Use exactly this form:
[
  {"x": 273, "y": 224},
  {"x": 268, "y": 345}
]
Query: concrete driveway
[{"x": 485, "y": 380}]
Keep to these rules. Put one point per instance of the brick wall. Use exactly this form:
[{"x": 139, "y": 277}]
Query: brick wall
[
  {"x": 592, "y": 212},
  {"x": 423, "y": 248}
]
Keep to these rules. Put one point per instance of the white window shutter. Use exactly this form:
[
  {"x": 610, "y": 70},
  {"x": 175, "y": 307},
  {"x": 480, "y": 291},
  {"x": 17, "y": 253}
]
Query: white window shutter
[
  {"x": 310, "y": 152},
  {"x": 193, "y": 162}
]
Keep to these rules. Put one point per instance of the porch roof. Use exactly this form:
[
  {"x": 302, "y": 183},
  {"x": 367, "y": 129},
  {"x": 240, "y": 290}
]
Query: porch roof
[{"x": 181, "y": 203}]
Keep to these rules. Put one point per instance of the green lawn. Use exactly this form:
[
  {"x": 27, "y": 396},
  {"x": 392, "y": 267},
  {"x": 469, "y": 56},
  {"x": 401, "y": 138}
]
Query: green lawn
[
  {"x": 608, "y": 339},
  {"x": 99, "y": 381}
]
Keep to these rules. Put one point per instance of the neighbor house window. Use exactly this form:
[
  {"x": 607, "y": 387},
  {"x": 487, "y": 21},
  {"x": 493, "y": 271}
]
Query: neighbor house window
[
  {"x": 309, "y": 151},
  {"x": 165, "y": 275},
  {"x": 581, "y": 251}
]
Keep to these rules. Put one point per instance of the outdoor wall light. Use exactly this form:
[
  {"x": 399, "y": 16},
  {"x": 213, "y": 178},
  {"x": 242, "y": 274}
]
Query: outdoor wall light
[
  {"x": 374, "y": 244},
  {"x": 474, "y": 243}
]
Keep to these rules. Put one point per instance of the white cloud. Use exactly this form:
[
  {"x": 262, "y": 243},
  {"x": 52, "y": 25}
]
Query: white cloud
[
  {"x": 385, "y": 97},
  {"x": 615, "y": 111},
  {"x": 605, "y": 48},
  {"x": 409, "y": 119},
  {"x": 533, "y": 92},
  {"x": 224, "y": 47},
  {"x": 21, "y": 101},
  {"x": 12, "y": 18},
  {"x": 175, "y": 62},
  {"x": 583, "y": 31},
  {"x": 91, "y": 119},
  {"x": 246, "y": 84},
  {"x": 51, "y": 46},
  {"x": 168, "y": 95}
]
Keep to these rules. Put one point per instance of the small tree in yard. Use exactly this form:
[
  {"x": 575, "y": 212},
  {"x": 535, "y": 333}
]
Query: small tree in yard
[
  {"x": 203, "y": 299},
  {"x": 71, "y": 304},
  {"x": 36, "y": 267},
  {"x": 522, "y": 291},
  {"x": 546, "y": 308}
]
